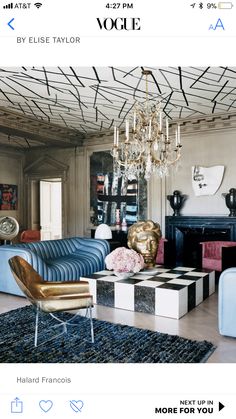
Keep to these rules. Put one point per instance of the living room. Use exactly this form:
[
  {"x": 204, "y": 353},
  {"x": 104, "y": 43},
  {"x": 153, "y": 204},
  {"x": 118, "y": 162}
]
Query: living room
[{"x": 54, "y": 121}]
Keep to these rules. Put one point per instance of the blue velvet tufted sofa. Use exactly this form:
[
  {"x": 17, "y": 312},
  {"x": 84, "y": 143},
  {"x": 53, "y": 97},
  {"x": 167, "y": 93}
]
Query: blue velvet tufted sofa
[{"x": 55, "y": 260}]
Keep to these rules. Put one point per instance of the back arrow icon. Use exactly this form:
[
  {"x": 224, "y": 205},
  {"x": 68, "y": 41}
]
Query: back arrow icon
[{"x": 9, "y": 24}]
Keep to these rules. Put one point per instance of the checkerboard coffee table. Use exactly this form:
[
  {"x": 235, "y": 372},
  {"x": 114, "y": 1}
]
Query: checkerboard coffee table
[{"x": 168, "y": 292}]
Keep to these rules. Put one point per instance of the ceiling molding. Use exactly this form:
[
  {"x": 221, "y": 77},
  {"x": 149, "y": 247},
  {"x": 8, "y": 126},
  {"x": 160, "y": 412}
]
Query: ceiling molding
[
  {"x": 204, "y": 123},
  {"x": 13, "y": 124},
  {"x": 209, "y": 123}
]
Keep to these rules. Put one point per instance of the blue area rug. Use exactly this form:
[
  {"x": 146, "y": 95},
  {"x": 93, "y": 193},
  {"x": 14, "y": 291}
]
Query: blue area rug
[{"x": 114, "y": 343}]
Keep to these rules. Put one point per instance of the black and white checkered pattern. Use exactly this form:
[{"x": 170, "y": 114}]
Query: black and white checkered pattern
[{"x": 169, "y": 293}]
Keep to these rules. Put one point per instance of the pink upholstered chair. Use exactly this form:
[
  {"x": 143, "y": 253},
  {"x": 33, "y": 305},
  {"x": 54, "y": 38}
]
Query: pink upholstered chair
[
  {"x": 160, "y": 258},
  {"x": 28, "y": 236},
  {"x": 218, "y": 255}
]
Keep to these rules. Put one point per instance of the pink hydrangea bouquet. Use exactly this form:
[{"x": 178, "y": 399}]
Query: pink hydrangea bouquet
[{"x": 124, "y": 260}]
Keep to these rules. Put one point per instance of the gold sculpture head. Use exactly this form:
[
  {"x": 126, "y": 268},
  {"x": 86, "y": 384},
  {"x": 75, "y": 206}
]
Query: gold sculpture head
[{"x": 144, "y": 237}]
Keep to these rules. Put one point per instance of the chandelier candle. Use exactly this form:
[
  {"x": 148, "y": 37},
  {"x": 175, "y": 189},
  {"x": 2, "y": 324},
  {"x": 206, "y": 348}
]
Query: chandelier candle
[
  {"x": 117, "y": 137},
  {"x": 160, "y": 121},
  {"x": 150, "y": 129},
  {"x": 134, "y": 121},
  {"x": 127, "y": 130}
]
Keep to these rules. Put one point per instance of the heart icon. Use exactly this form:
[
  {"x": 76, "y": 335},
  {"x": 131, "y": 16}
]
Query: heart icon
[
  {"x": 76, "y": 405},
  {"x": 45, "y": 405}
]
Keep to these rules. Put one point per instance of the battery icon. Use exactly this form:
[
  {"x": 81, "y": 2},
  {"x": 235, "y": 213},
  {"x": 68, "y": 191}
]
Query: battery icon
[{"x": 225, "y": 5}]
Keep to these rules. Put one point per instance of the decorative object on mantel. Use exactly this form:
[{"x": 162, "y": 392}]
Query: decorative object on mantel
[
  {"x": 206, "y": 180},
  {"x": 176, "y": 202},
  {"x": 144, "y": 237},
  {"x": 9, "y": 228},
  {"x": 124, "y": 262},
  {"x": 230, "y": 201},
  {"x": 149, "y": 148}
]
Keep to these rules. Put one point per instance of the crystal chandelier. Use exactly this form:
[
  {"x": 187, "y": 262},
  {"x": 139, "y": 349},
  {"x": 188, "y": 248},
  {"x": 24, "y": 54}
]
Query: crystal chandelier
[{"x": 148, "y": 147}]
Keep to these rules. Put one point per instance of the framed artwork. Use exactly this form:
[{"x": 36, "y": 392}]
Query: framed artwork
[
  {"x": 114, "y": 194},
  {"x": 109, "y": 194},
  {"x": 8, "y": 197}
]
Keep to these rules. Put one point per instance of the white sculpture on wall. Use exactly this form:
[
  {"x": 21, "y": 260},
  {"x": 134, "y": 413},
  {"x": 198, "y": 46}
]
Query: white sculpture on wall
[{"x": 206, "y": 180}]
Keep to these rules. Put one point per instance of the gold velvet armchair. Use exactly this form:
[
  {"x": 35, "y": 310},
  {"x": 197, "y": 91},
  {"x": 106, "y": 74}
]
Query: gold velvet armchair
[{"x": 52, "y": 297}]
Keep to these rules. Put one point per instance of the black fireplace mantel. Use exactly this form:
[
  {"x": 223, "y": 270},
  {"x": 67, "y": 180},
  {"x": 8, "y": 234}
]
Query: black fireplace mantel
[{"x": 184, "y": 233}]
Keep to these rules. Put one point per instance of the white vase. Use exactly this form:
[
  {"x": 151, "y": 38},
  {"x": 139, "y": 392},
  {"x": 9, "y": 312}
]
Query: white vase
[{"x": 123, "y": 275}]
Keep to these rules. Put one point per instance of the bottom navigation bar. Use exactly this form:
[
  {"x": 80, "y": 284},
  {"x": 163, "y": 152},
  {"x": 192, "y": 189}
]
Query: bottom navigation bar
[{"x": 116, "y": 406}]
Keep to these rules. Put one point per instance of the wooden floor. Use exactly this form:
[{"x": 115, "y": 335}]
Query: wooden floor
[{"x": 199, "y": 324}]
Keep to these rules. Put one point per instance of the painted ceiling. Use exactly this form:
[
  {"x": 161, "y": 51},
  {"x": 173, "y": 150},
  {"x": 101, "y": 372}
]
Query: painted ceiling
[{"x": 75, "y": 102}]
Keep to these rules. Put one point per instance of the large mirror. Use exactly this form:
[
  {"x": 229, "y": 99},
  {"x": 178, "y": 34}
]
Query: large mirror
[{"x": 112, "y": 197}]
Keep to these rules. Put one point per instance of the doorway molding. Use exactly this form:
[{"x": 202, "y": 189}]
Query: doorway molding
[{"x": 45, "y": 167}]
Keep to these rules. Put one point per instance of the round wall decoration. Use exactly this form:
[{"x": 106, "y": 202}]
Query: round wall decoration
[{"x": 9, "y": 228}]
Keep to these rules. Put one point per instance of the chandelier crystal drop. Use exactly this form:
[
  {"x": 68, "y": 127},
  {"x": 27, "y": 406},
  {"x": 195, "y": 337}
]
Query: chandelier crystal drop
[{"x": 147, "y": 147}]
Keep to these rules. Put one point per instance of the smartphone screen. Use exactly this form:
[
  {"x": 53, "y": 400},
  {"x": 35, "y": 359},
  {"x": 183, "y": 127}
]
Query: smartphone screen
[{"x": 117, "y": 209}]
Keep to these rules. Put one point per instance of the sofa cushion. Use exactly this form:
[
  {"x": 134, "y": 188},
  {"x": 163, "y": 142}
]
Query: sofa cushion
[
  {"x": 80, "y": 263},
  {"x": 212, "y": 264},
  {"x": 51, "y": 249},
  {"x": 212, "y": 253}
]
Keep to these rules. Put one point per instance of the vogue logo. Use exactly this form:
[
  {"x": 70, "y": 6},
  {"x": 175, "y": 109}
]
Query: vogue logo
[{"x": 120, "y": 24}]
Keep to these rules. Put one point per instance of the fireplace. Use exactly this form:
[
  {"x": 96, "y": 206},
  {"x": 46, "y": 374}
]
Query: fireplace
[{"x": 184, "y": 235}]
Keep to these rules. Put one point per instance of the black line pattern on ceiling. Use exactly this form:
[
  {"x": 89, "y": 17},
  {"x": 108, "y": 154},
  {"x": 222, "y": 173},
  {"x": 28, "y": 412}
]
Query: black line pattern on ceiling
[{"x": 90, "y": 99}]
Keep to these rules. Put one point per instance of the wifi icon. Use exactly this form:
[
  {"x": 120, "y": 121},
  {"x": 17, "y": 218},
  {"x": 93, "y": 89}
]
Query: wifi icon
[{"x": 38, "y": 5}]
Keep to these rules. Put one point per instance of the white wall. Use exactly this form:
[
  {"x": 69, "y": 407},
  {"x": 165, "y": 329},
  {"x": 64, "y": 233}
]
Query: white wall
[{"x": 205, "y": 149}]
